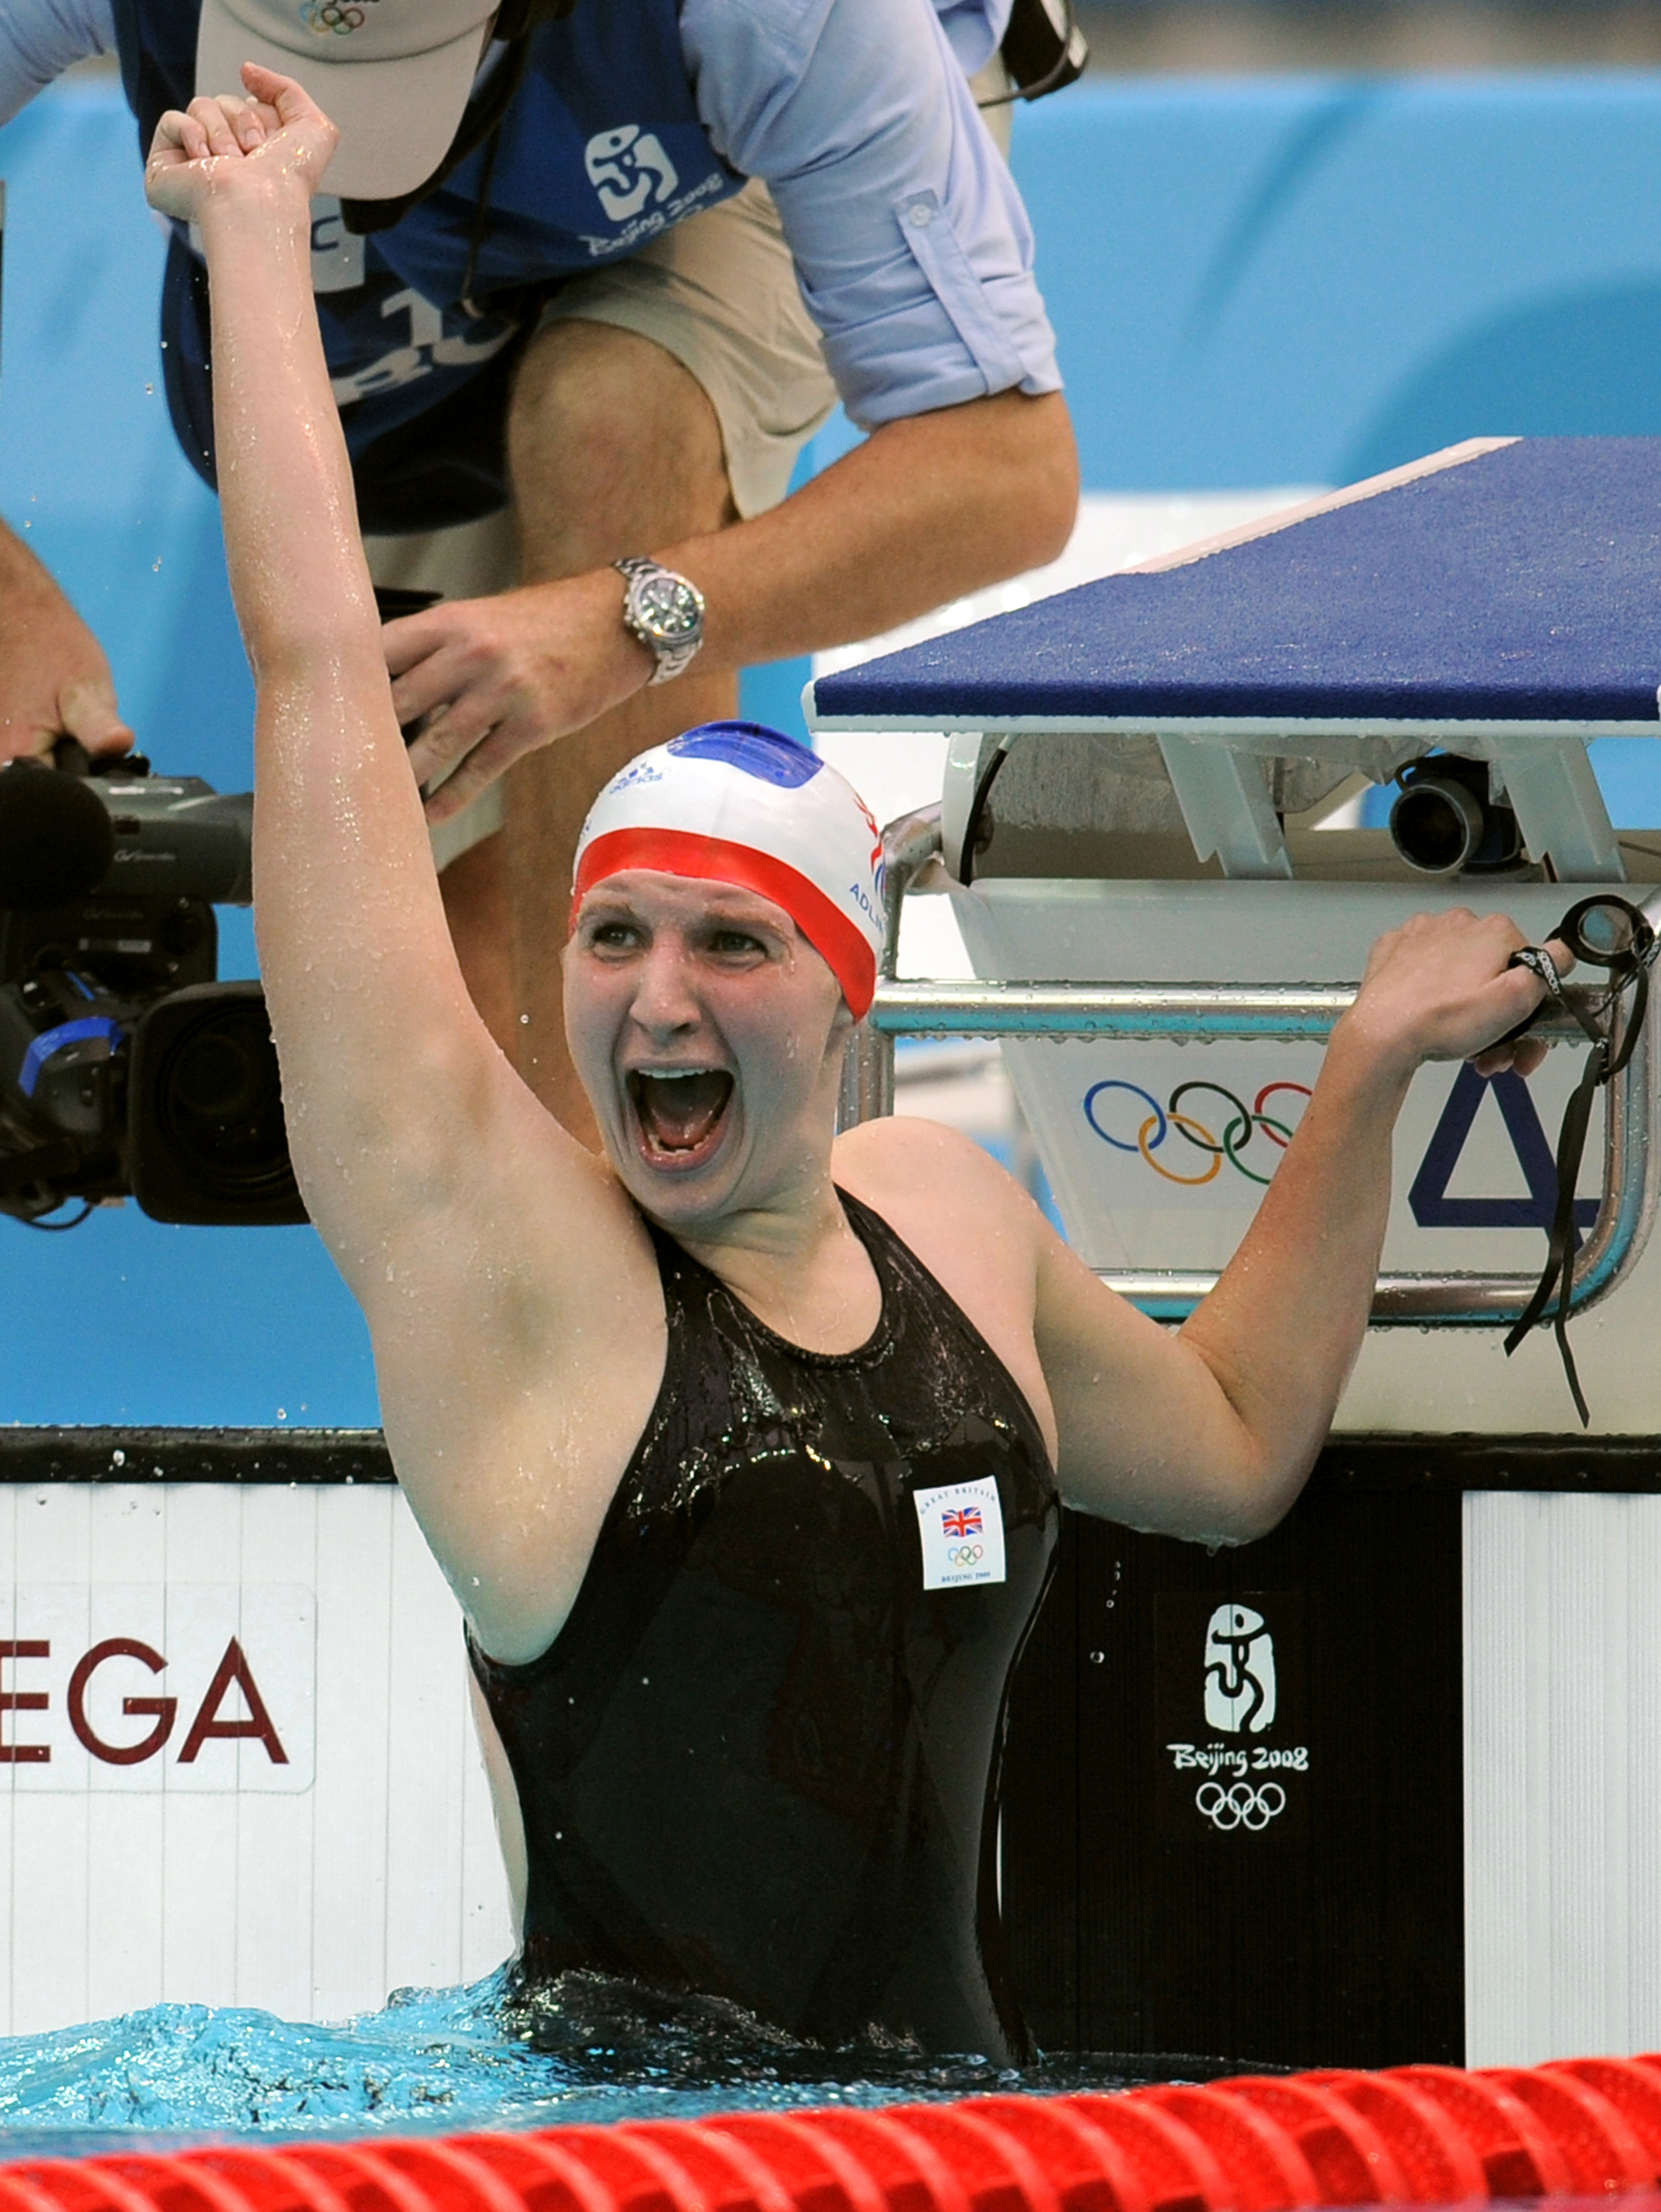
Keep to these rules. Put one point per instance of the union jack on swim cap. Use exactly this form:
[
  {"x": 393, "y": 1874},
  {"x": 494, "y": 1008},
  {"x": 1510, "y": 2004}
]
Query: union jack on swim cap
[{"x": 738, "y": 803}]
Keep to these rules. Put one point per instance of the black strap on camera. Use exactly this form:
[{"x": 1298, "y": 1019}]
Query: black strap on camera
[{"x": 1602, "y": 932}]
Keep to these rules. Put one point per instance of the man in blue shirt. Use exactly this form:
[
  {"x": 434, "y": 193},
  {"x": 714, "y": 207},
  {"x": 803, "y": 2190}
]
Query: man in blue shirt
[{"x": 593, "y": 278}]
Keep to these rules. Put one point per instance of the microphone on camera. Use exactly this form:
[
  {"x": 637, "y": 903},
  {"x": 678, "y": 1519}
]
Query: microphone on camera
[{"x": 57, "y": 841}]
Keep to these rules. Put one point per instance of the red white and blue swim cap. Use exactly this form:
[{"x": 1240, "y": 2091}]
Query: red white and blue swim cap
[{"x": 741, "y": 804}]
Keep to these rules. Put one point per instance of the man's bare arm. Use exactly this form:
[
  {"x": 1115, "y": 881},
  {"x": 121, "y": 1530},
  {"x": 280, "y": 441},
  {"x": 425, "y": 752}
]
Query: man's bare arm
[
  {"x": 929, "y": 507},
  {"x": 1210, "y": 1433},
  {"x": 54, "y": 679}
]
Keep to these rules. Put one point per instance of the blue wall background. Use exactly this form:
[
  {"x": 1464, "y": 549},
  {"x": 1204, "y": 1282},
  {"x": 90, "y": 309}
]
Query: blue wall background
[{"x": 1253, "y": 283}]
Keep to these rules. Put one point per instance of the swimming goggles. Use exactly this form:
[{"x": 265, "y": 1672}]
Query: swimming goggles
[{"x": 1602, "y": 932}]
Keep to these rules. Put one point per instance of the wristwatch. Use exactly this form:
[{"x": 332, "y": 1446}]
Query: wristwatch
[{"x": 664, "y": 611}]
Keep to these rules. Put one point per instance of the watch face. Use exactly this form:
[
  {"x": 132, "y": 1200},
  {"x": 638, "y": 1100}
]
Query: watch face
[{"x": 668, "y": 607}]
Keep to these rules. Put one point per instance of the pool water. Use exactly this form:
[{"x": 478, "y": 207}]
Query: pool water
[{"x": 452, "y": 2059}]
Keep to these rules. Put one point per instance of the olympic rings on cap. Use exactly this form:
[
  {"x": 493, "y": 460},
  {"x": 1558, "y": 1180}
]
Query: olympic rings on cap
[
  {"x": 342, "y": 17},
  {"x": 1240, "y": 1806},
  {"x": 1160, "y": 1120}
]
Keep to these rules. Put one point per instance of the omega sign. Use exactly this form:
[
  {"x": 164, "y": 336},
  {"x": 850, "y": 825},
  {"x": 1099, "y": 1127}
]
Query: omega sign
[{"x": 182, "y": 1687}]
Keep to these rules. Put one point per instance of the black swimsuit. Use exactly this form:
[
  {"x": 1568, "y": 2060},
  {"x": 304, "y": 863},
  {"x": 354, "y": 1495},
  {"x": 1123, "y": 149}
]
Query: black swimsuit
[{"x": 761, "y": 1760}]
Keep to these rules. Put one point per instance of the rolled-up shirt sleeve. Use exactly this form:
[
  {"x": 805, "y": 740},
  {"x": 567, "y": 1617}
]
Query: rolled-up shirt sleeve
[
  {"x": 40, "y": 39},
  {"x": 974, "y": 29},
  {"x": 911, "y": 247}
]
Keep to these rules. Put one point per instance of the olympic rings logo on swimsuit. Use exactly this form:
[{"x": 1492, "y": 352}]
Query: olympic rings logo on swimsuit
[
  {"x": 1240, "y": 1806},
  {"x": 1161, "y": 1122},
  {"x": 964, "y": 1555}
]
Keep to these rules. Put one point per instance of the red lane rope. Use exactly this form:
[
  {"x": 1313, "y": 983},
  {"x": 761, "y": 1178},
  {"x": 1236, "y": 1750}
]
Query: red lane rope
[
  {"x": 1411, "y": 2135},
  {"x": 1260, "y": 2157},
  {"x": 1440, "y": 2165},
  {"x": 1519, "y": 2157},
  {"x": 1350, "y": 2160},
  {"x": 1183, "y": 2175},
  {"x": 1632, "y": 2086}
]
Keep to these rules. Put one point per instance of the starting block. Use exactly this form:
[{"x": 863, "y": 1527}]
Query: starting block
[
  {"x": 1162, "y": 932},
  {"x": 1131, "y": 831}
]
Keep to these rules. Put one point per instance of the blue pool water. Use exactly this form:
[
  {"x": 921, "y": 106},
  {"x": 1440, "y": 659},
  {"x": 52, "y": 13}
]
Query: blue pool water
[{"x": 443, "y": 2060}]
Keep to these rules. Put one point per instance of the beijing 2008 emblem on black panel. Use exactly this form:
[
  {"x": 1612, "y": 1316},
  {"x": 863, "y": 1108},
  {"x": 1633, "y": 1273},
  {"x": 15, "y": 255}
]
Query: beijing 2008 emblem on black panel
[{"x": 1234, "y": 1739}]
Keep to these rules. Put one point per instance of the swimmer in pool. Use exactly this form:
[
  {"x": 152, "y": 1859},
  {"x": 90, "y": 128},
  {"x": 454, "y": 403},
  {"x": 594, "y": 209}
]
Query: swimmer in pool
[{"x": 741, "y": 1446}]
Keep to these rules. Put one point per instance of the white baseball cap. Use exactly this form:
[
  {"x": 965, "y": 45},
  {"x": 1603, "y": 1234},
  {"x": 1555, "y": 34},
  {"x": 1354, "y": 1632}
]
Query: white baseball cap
[
  {"x": 392, "y": 75},
  {"x": 738, "y": 803}
]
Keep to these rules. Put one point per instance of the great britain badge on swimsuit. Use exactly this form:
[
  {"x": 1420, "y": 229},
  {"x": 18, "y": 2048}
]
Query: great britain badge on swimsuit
[{"x": 962, "y": 1529}]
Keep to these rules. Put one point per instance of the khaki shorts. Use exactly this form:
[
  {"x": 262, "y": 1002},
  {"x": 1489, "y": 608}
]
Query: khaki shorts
[{"x": 718, "y": 291}]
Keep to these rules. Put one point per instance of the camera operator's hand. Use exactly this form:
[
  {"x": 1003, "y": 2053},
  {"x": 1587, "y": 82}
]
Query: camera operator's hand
[
  {"x": 278, "y": 138},
  {"x": 54, "y": 679},
  {"x": 491, "y": 679}
]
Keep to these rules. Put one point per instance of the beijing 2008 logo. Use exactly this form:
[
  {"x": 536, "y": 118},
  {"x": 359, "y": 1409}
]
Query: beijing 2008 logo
[
  {"x": 1242, "y": 1698},
  {"x": 1132, "y": 1120}
]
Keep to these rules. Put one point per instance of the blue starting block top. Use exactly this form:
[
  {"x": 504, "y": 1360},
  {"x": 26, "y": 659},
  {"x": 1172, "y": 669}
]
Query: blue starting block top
[{"x": 1507, "y": 586}]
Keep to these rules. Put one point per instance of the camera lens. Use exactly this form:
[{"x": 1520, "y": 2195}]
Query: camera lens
[
  {"x": 205, "y": 1136},
  {"x": 218, "y": 1105},
  {"x": 215, "y": 1080},
  {"x": 1437, "y": 826}
]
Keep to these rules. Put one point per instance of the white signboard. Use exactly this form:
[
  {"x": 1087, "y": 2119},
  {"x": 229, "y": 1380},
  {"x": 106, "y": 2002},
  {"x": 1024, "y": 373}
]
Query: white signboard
[
  {"x": 143, "y": 1686},
  {"x": 237, "y": 1763}
]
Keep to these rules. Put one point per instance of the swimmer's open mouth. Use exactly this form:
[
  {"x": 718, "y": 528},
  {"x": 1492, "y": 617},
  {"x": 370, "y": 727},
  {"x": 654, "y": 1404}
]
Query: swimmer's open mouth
[{"x": 680, "y": 1115}]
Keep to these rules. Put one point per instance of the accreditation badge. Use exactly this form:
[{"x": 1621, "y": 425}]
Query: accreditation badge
[{"x": 962, "y": 1531}]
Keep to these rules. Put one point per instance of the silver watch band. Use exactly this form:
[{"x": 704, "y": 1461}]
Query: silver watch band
[{"x": 674, "y": 653}]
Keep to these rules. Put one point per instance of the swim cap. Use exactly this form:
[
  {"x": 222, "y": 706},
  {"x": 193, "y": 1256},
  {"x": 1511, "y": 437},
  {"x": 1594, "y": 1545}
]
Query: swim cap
[{"x": 741, "y": 804}]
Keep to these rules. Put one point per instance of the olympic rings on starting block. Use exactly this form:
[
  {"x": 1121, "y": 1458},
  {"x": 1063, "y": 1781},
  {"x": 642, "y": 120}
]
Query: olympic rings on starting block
[
  {"x": 1162, "y": 1119},
  {"x": 1180, "y": 1121}
]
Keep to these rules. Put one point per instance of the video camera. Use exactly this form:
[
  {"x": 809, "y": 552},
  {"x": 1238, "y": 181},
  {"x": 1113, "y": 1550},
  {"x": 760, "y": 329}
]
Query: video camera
[{"x": 125, "y": 1065}]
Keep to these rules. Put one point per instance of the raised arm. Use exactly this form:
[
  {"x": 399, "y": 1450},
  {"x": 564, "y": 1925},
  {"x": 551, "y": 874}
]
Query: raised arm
[
  {"x": 1210, "y": 1432},
  {"x": 477, "y": 1236},
  {"x": 365, "y": 1000}
]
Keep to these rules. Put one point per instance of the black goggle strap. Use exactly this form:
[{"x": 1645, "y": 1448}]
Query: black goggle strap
[
  {"x": 1561, "y": 1238},
  {"x": 1628, "y": 965}
]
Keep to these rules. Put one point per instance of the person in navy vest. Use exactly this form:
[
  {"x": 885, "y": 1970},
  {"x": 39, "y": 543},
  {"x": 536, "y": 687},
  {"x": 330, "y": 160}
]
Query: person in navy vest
[{"x": 590, "y": 274}]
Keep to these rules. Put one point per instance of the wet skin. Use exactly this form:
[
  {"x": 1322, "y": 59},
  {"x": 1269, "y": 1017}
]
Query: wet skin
[
  {"x": 513, "y": 1296},
  {"x": 709, "y": 1036},
  {"x": 511, "y": 1291},
  {"x": 671, "y": 981}
]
